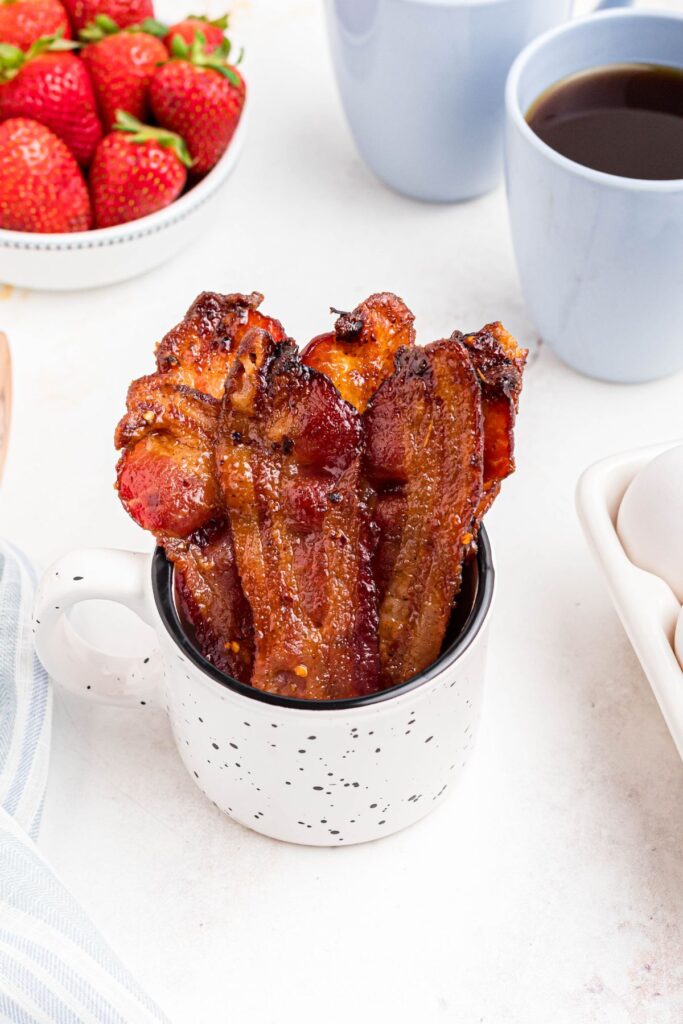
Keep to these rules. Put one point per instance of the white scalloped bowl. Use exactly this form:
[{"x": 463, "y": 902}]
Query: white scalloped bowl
[{"x": 90, "y": 259}]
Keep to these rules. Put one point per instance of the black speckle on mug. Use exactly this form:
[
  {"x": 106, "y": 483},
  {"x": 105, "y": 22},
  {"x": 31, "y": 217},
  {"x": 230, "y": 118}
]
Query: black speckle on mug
[
  {"x": 201, "y": 720},
  {"x": 378, "y": 750},
  {"x": 195, "y": 775},
  {"x": 318, "y": 789},
  {"x": 234, "y": 746},
  {"x": 302, "y": 751},
  {"x": 215, "y": 746},
  {"x": 429, "y": 739}
]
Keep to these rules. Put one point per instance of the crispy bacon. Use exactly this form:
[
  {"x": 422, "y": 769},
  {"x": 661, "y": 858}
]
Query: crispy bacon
[
  {"x": 289, "y": 463},
  {"x": 359, "y": 354},
  {"x": 425, "y": 459},
  {"x": 200, "y": 350},
  {"x": 165, "y": 476},
  {"x": 499, "y": 363},
  {"x": 210, "y": 597}
]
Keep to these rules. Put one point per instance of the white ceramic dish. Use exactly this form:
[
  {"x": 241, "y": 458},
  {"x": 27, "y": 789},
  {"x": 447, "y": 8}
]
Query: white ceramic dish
[
  {"x": 89, "y": 259},
  {"x": 646, "y": 605}
]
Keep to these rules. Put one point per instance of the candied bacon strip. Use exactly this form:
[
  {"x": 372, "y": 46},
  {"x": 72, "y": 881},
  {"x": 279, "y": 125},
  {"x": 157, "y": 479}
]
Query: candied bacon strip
[
  {"x": 165, "y": 476},
  {"x": 289, "y": 463},
  {"x": 425, "y": 458},
  {"x": 359, "y": 354},
  {"x": 199, "y": 351},
  {"x": 499, "y": 363},
  {"x": 209, "y": 596}
]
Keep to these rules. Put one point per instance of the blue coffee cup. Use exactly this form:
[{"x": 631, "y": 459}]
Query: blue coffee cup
[
  {"x": 422, "y": 84},
  {"x": 600, "y": 257}
]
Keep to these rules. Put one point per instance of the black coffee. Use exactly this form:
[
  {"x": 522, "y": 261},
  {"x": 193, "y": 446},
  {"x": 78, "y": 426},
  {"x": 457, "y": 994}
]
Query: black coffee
[{"x": 625, "y": 119}]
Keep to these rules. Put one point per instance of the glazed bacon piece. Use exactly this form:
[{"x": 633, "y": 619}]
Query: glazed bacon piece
[
  {"x": 359, "y": 354},
  {"x": 499, "y": 363},
  {"x": 289, "y": 463},
  {"x": 165, "y": 476},
  {"x": 209, "y": 596},
  {"x": 425, "y": 459},
  {"x": 199, "y": 352}
]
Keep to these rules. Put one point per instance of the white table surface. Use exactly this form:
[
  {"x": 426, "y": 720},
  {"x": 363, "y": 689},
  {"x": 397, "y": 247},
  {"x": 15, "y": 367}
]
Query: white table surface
[{"x": 549, "y": 889}]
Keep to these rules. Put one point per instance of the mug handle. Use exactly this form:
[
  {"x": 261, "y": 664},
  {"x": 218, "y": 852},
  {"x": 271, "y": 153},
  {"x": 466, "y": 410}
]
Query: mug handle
[{"x": 86, "y": 575}]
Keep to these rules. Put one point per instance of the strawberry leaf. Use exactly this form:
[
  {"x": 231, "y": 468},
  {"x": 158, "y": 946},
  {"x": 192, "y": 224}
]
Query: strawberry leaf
[
  {"x": 11, "y": 60},
  {"x": 221, "y": 23},
  {"x": 140, "y": 133},
  {"x": 179, "y": 48},
  {"x": 151, "y": 27},
  {"x": 98, "y": 29},
  {"x": 196, "y": 54}
]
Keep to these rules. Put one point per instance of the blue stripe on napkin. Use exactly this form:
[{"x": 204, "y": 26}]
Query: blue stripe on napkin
[{"x": 55, "y": 967}]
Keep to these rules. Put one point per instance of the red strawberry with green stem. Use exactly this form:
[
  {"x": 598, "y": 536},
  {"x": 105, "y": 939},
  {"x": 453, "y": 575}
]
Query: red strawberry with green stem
[
  {"x": 22, "y": 22},
  {"x": 123, "y": 12},
  {"x": 136, "y": 171},
  {"x": 41, "y": 186},
  {"x": 51, "y": 85},
  {"x": 212, "y": 30},
  {"x": 121, "y": 65},
  {"x": 201, "y": 97}
]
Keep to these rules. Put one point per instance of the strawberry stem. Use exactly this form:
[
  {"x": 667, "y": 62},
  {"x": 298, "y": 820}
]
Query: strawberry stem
[
  {"x": 196, "y": 54},
  {"x": 140, "y": 132}
]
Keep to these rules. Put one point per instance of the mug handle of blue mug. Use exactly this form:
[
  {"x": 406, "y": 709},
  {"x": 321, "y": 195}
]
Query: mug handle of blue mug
[{"x": 605, "y": 5}]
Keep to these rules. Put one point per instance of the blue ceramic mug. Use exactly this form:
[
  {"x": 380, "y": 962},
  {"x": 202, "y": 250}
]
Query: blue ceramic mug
[
  {"x": 600, "y": 257},
  {"x": 422, "y": 84}
]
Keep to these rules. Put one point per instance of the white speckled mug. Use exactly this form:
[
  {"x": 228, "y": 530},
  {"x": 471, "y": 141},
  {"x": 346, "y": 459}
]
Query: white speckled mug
[{"x": 315, "y": 772}]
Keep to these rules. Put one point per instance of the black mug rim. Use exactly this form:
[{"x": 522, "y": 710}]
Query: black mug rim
[{"x": 162, "y": 588}]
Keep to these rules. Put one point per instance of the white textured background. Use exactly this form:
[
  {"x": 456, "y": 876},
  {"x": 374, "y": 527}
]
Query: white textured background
[{"x": 549, "y": 889}]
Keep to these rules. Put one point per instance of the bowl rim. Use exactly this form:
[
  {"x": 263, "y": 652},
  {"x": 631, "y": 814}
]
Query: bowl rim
[
  {"x": 151, "y": 224},
  {"x": 162, "y": 589}
]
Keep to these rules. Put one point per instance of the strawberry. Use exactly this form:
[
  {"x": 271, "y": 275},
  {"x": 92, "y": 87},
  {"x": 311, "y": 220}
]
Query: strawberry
[
  {"x": 121, "y": 65},
  {"x": 123, "y": 12},
  {"x": 136, "y": 171},
  {"x": 199, "y": 96},
  {"x": 213, "y": 31},
  {"x": 24, "y": 21},
  {"x": 52, "y": 86},
  {"x": 41, "y": 186}
]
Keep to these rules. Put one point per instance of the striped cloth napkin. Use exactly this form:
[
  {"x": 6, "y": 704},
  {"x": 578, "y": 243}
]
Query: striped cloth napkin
[{"x": 55, "y": 967}]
